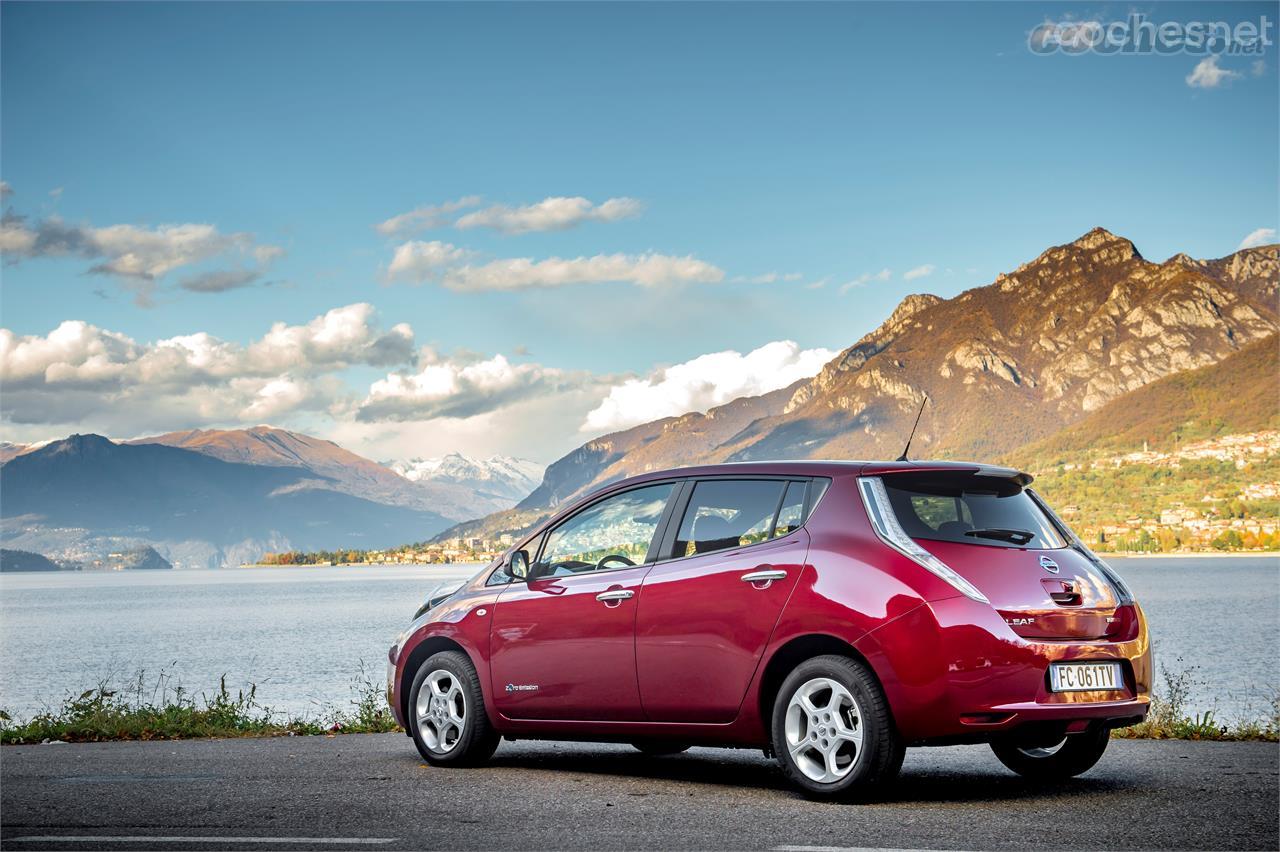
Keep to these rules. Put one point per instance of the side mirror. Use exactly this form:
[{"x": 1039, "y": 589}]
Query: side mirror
[{"x": 518, "y": 567}]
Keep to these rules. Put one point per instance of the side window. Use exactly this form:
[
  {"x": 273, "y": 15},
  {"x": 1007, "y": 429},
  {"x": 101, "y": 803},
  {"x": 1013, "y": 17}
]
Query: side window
[
  {"x": 725, "y": 513},
  {"x": 791, "y": 515},
  {"x": 613, "y": 533}
]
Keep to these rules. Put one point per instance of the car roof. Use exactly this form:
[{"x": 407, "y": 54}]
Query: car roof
[{"x": 826, "y": 467}]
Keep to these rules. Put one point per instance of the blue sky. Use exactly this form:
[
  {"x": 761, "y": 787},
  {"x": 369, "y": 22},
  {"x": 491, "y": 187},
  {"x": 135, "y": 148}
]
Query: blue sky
[{"x": 810, "y": 145}]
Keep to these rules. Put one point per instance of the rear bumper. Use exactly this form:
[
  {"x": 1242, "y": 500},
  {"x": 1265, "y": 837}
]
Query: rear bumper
[{"x": 953, "y": 670}]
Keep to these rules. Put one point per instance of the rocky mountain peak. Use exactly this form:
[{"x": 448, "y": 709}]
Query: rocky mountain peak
[
  {"x": 910, "y": 306},
  {"x": 1099, "y": 238},
  {"x": 81, "y": 445}
]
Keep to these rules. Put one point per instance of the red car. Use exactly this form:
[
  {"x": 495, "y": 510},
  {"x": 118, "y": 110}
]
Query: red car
[{"x": 830, "y": 613}]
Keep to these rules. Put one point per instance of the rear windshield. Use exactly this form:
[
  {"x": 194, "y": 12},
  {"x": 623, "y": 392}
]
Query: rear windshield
[{"x": 969, "y": 509}]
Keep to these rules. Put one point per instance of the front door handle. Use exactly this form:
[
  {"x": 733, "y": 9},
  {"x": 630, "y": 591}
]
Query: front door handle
[
  {"x": 764, "y": 577},
  {"x": 615, "y": 597}
]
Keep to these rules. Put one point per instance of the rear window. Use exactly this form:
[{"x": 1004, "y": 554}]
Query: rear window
[{"x": 969, "y": 509}]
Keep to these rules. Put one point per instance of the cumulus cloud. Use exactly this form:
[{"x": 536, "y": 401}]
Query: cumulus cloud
[
  {"x": 5, "y": 190},
  {"x": 422, "y": 261},
  {"x": 1259, "y": 237},
  {"x": 704, "y": 382},
  {"x": 139, "y": 255},
  {"x": 922, "y": 271},
  {"x": 865, "y": 279},
  {"x": 453, "y": 388},
  {"x": 523, "y": 273},
  {"x": 556, "y": 213},
  {"x": 1208, "y": 75},
  {"x": 426, "y": 217},
  {"x": 80, "y": 373}
]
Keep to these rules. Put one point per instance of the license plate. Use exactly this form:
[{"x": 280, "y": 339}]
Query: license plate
[{"x": 1081, "y": 677}]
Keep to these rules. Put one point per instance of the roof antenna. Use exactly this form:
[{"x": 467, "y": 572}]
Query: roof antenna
[{"x": 907, "y": 448}]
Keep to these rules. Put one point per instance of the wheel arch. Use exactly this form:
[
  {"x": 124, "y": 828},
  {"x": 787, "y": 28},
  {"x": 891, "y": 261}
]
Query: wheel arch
[
  {"x": 419, "y": 655},
  {"x": 793, "y": 653}
]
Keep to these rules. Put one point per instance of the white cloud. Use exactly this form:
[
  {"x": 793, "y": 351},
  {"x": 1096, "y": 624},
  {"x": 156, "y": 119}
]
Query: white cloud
[
  {"x": 767, "y": 278},
  {"x": 923, "y": 271},
  {"x": 1259, "y": 237},
  {"x": 5, "y": 190},
  {"x": 456, "y": 388},
  {"x": 704, "y": 382},
  {"x": 140, "y": 255},
  {"x": 422, "y": 261},
  {"x": 522, "y": 273},
  {"x": 427, "y": 217},
  {"x": 1207, "y": 74},
  {"x": 865, "y": 279},
  {"x": 556, "y": 213},
  {"x": 81, "y": 374},
  {"x": 1258, "y": 68}
]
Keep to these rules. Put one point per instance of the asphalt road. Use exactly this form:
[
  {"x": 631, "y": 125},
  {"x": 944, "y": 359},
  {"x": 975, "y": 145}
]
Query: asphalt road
[{"x": 373, "y": 792}]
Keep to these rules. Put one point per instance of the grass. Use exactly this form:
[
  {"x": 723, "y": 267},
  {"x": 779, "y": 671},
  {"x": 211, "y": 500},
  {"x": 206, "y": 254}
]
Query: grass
[
  {"x": 1170, "y": 719},
  {"x": 165, "y": 710}
]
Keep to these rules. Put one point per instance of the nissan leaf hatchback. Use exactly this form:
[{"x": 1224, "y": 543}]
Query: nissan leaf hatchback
[{"x": 829, "y": 613}]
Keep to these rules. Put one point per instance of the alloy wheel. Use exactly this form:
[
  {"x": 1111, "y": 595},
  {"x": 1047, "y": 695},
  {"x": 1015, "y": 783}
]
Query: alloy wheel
[
  {"x": 441, "y": 711},
  {"x": 824, "y": 730}
]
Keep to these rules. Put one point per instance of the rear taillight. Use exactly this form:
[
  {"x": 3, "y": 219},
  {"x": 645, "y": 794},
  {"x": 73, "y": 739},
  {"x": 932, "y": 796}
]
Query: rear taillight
[{"x": 886, "y": 525}]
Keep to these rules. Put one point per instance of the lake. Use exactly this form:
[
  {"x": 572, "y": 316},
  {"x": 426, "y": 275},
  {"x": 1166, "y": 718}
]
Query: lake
[{"x": 301, "y": 634}]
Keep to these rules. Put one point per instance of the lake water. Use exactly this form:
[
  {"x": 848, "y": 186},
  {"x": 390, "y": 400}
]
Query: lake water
[{"x": 301, "y": 634}]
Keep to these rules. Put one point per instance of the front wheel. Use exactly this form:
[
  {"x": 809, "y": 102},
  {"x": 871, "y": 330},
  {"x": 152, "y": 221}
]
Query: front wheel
[
  {"x": 1073, "y": 755},
  {"x": 447, "y": 717},
  {"x": 832, "y": 730}
]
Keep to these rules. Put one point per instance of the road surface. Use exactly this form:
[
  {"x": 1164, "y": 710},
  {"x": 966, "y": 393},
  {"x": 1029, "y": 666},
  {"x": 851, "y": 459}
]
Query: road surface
[{"x": 373, "y": 792}]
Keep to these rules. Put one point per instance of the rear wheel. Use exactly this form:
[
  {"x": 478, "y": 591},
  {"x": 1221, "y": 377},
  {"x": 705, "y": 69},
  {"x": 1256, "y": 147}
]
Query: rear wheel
[
  {"x": 657, "y": 748},
  {"x": 832, "y": 731},
  {"x": 1071, "y": 756},
  {"x": 446, "y": 712}
]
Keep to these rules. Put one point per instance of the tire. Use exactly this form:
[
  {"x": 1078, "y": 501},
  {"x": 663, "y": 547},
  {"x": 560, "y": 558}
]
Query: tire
[
  {"x": 446, "y": 712},
  {"x": 658, "y": 748},
  {"x": 1076, "y": 754},
  {"x": 832, "y": 730}
]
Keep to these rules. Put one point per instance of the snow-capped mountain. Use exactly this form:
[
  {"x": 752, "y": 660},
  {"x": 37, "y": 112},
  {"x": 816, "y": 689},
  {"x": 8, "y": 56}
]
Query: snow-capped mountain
[{"x": 499, "y": 476}]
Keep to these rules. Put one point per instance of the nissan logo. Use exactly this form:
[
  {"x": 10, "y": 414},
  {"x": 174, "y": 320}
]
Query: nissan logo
[{"x": 1049, "y": 565}]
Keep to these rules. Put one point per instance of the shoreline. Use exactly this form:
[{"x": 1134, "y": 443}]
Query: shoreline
[{"x": 1210, "y": 554}]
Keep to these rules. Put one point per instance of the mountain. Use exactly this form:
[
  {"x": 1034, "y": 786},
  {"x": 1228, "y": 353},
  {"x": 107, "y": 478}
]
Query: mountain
[
  {"x": 10, "y": 450},
  {"x": 1003, "y": 366},
  {"x": 495, "y": 485},
  {"x": 1237, "y": 395},
  {"x": 25, "y": 560},
  {"x": 88, "y": 493},
  {"x": 501, "y": 477}
]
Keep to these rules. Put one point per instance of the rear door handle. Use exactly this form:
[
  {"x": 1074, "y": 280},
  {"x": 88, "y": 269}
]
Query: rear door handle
[
  {"x": 765, "y": 576},
  {"x": 615, "y": 596}
]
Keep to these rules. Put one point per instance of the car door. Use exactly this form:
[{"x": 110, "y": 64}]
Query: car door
[
  {"x": 732, "y": 555},
  {"x": 562, "y": 644}
]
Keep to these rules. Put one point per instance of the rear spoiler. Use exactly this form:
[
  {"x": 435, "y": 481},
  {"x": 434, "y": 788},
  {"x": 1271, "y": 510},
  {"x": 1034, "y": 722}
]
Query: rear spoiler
[{"x": 1021, "y": 478}]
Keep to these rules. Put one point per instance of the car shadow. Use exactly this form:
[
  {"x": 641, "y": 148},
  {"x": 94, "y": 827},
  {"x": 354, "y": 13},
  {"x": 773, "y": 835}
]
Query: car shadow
[{"x": 746, "y": 769}]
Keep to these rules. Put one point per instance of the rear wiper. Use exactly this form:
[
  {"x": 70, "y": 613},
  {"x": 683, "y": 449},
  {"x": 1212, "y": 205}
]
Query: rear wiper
[{"x": 1014, "y": 536}]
